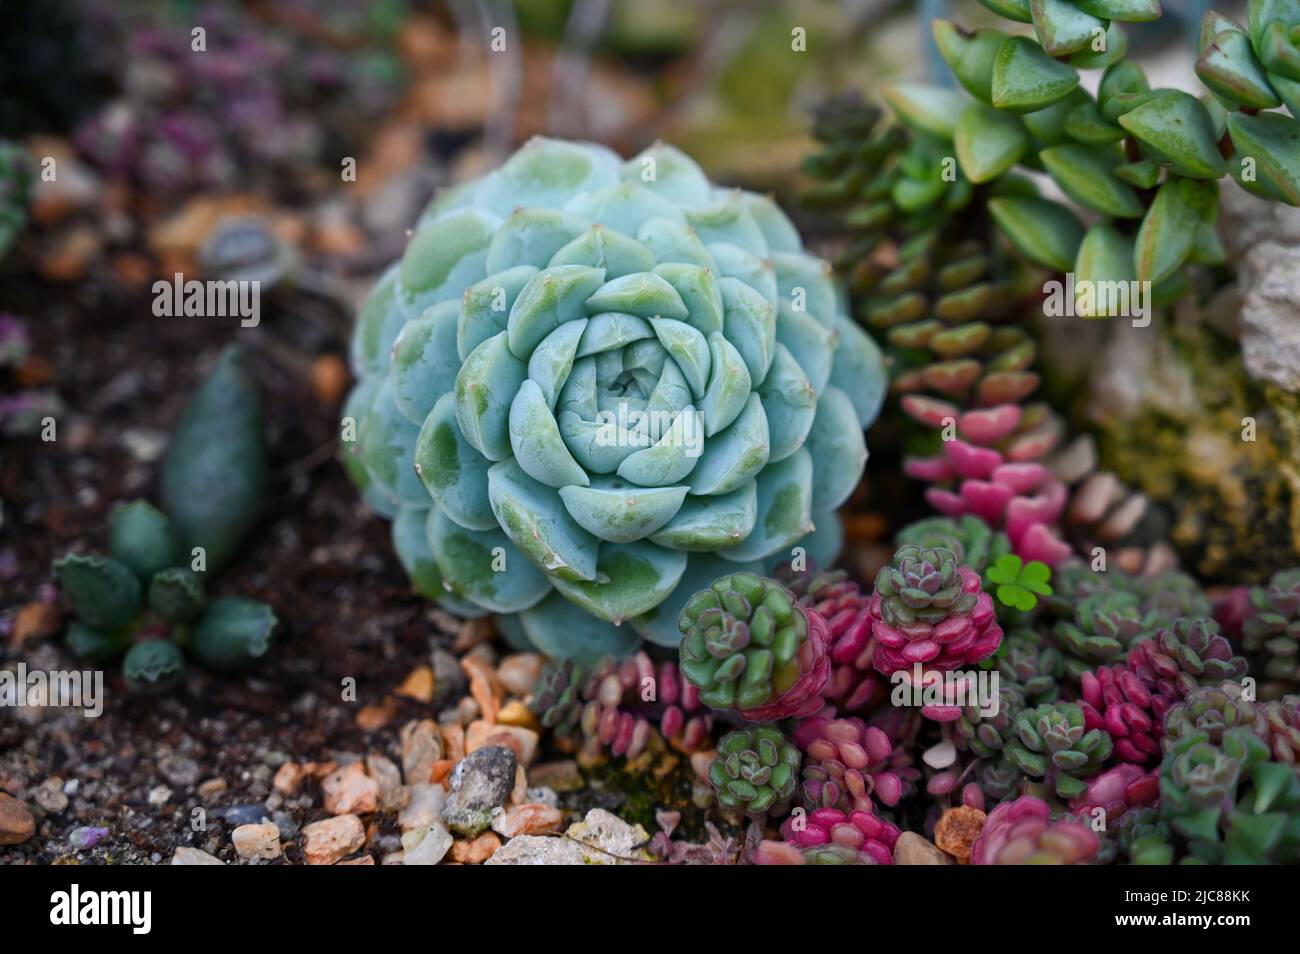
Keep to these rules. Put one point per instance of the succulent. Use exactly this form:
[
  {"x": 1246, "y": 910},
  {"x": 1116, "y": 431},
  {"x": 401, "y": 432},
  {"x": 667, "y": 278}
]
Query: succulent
[
  {"x": 603, "y": 376},
  {"x": 1231, "y": 802},
  {"x": 927, "y": 609},
  {"x": 1282, "y": 729},
  {"x": 605, "y": 708},
  {"x": 1022, "y": 833},
  {"x": 1211, "y": 711},
  {"x": 1256, "y": 67},
  {"x": 1051, "y": 743},
  {"x": 970, "y": 539},
  {"x": 830, "y": 836},
  {"x": 1271, "y": 630},
  {"x": 15, "y": 189},
  {"x": 1118, "y": 790},
  {"x": 749, "y": 645},
  {"x": 854, "y": 684},
  {"x": 998, "y": 780},
  {"x": 138, "y": 593},
  {"x": 1173, "y": 661},
  {"x": 1103, "y": 627},
  {"x": 756, "y": 770},
  {"x": 849, "y": 763},
  {"x": 1144, "y": 836},
  {"x": 985, "y": 736},
  {"x": 1032, "y": 663},
  {"x": 1118, "y": 702}
]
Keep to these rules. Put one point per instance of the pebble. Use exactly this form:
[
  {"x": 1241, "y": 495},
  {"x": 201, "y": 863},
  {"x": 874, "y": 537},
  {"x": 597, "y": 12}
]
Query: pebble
[
  {"x": 392, "y": 794},
  {"x": 193, "y": 856},
  {"x": 523, "y": 742},
  {"x": 448, "y": 679},
  {"x": 421, "y": 748},
  {"x": 940, "y": 756},
  {"x": 86, "y": 837},
  {"x": 601, "y": 839},
  {"x": 542, "y": 795},
  {"x": 912, "y": 849},
  {"x": 350, "y": 791},
  {"x": 179, "y": 770},
  {"x": 49, "y": 795},
  {"x": 480, "y": 784},
  {"x": 426, "y": 846},
  {"x": 257, "y": 841},
  {"x": 516, "y": 713},
  {"x": 332, "y": 839},
  {"x": 288, "y": 778},
  {"x": 16, "y": 821},
  {"x": 476, "y": 850},
  {"x": 957, "y": 830},
  {"x": 519, "y": 672},
  {"x": 159, "y": 796},
  {"x": 288, "y": 828},
  {"x": 212, "y": 788},
  {"x": 527, "y": 819},
  {"x": 418, "y": 685},
  {"x": 237, "y": 815},
  {"x": 424, "y": 807}
]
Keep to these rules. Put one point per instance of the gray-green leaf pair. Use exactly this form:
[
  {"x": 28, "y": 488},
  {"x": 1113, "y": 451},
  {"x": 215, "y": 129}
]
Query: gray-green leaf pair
[{"x": 590, "y": 384}]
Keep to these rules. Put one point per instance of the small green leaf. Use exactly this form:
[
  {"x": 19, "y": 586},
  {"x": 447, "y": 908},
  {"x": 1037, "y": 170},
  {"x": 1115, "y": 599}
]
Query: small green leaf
[
  {"x": 1273, "y": 142},
  {"x": 989, "y": 142},
  {"x": 1228, "y": 66},
  {"x": 1026, "y": 79},
  {"x": 154, "y": 666},
  {"x": 176, "y": 594},
  {"x": 1165, "y": 238},
  {"x": 103, "y": 592},
  {"x": 1127, "y": 11},
  {"x": 1105, "y": 261},
  {"x": 143, "y": 538},
  {"x": 930, "y": 109},
  {"x": 969, "y": 55},
  {"x": 233, "y": 634},
  {"x": 1063, "y": 27},
  {"x": 1144, "y": 173},
  {"x": 95, "y": 646},
  {"x": 1043, "y": 231},
  {"x": 1084, "y": 174},
  {"x": 1177, "y": 127},
  {"x": 1017, "y": 10}
]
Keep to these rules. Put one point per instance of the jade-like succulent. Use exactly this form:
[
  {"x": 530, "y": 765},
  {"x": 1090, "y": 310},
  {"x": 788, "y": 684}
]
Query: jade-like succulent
[
  {"x": 1051, "y": 743},
  {"x": 588, "y": 379},
  {"x": 986, "y": 736},
  {"x": 125, "y": 601},
  {"x": 1172, "y": 661},
  {"x": 748, "y": 644},
  {"x": 1271, "y": 630},
  {"x": 969, "y": 538},
  {"x": 1230, "y": 801},
  {"x": 1032, "y": 663},
  {"x": 1144, "y": 162},
  {"x": 756, "y": 770},
  {"x": 1211, "y": 711}
]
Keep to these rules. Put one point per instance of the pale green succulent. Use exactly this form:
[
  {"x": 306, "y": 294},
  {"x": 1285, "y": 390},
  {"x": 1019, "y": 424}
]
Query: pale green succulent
[{"x": 591, "y": 385}]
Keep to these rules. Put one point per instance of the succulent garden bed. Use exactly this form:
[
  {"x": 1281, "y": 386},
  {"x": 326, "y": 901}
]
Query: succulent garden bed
[{"x": 639, "y": 519}]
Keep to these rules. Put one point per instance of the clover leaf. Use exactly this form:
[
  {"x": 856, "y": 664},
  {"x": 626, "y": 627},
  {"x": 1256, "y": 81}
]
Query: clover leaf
[{"x": 1020, "y": 584}]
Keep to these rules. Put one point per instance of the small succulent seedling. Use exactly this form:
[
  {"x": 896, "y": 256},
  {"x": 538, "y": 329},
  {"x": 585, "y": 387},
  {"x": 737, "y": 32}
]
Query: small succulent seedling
[{"x": 1019, "y": 584}]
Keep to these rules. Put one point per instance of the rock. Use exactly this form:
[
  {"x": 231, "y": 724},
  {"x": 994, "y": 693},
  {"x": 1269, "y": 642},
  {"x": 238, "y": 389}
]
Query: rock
[
  {"x": 1270, "y": 314},
  {"x": 332, "y": 839},
  {"x": 599, "y": 839},
  {"x": 193, "y": 856},
  {"x": 528, "y": 819},
  {"x": 212, "y": 788},
  {"x": 363, "y": 860},
  {"x": 523, "y": 742},
  {"x": 392, "y": 794},
  {"x": 516, "y": 713},
  {"x": 957, "y": 830},
  {"x": 537, "y": 850},
  {"x": 480, "y": 784},
  {"x": 49, "y": 796},
  {"x": 86, "y": 837},
  {"x": 350, "y": 790},
  {"x": 16, "y": 821},
  {"x": 288, "y": 777},
  {"x": 540, "y": 795},
  {"x": 159, "y": 796},
  {"x": 236, "y": 815},
  {"x": 912, "y": 849},
  {"x": 562, "y": 776},
  {"x": 418, "y": 685},
  {"x": 421, "y": 748},
  {"x": 424, "y": 807},
  {"x": 449, "y": 681},
  {"x": 257, "y": 841},
  {"x": 426, "y": 846},
  {"x": 477, "y": 850},
  {"x": 287, "y": 826},
  {"x": 519, "y": 672},
  {"x": 179, "y": 770}
]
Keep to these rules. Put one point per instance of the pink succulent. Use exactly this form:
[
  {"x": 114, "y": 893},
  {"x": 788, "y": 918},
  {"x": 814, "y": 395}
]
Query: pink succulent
[
  {"x": 961, "y": 639},
  {"x": 804, "y": 697},
  {"x": 1022, "y": 832},
  {"x": 849, "y": 762},
  {"x": 1117, "y": 790},
  {"x": 1117, "y": 701},
  {"x": 869, "y": 839}
]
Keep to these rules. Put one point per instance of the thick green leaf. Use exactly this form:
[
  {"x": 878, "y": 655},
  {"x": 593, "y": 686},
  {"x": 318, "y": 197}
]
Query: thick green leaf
[
  {"x": 233, "y": 634},
  {"x": 631, "y": 579},
  {"x": 988, "y": 142},
  {"x": 452, "y": 471},
  {"x": 425, "y": 361},
  {"x": 711, "y": 523},
  {"x": 534, "y": 518},
  {"x": 143, "y": 538},
  {"x": 930, "y": 109},
  {"x": 1127, "y": 11},
  {"x": 176, "y": 594},
  {"x": 561, "y": 630},
  {"x": 1167, "y": 232},
  {"x": 837, "y": 448},
  {"x": 485, "y": 388},
  {"x": 1084, "y": 174},
  {"x": 785, "y": 491},
  {"x": 103, "y": 592},
  {"x": 1063, "y": 27},
  {"x": 1043, "y": 231},
  {"x": 443, "y": 259},
  {"x": 1273, "y": 142},
  {"x": 1026, "y": 79},
  {"x": 969, "y": 56},
  {"x": 1103, "y": 51},
  {"x": 1178, "y": 128},
  {"x": 484, "y": 567},
  {"x": 1017, "y": 10},
  {"x": 1229, "y": 67},
  {"x": 154, "y": 666},
  {"x": 1104, "y": 273},
  {"x": 214, "y": 476}
]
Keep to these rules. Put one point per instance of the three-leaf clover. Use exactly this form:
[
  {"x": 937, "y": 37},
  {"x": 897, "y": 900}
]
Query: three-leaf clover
[{"x": 1020, "y": 584}]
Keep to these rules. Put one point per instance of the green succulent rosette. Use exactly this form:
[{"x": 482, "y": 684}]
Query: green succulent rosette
[
  {"x": 590, "y": 386},
  {"x": 1052, "y": 744},
  {"x": 756, "y": 770}
]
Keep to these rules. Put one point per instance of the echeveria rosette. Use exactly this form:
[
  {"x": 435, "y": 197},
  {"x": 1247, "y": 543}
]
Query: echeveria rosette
[
  {"x": 1232, "y": 802},
  {"x": 1173, "y": 661},
  {"x": 756, "y": 771},
  {"x": 613, "y": 378},
  {"x": 1211, "y": 711},
  {"x": 1032, "y": 663},
  {"x": 1118, "y": 702},
  {"x": 1051, "y": 743},
  {"x": 986, "y": 735},
  {"x": 829, "y": 836},
  {"x": 749, "y": 645},
  {"x": 1270, "y": 630},
  {"x": 929, "y": 610},
  {"x": 1022, "y": 832}
]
